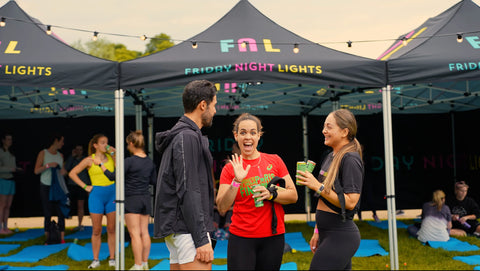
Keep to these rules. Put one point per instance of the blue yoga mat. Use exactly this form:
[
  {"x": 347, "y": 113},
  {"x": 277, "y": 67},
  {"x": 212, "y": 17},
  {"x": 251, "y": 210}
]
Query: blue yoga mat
[
  {"x": 85, "y": 234},
  {"x": 6, "y": 248},
  {"x": 384, "y": 224},
  {"x": 35, "y": 253},
  {"x": 453, "y": 245},
  {"x": 82, "y": 253},
  {"x": 370, "y": 247},
  {"x": 221, "y": 248},
  {"x": 159, "y": 251},
  {"x": 39, "y": 267},
  {"x": 471, "y": 260},
  {"x": 296, "y": 241},
  {"x": 24, "y": 236}
]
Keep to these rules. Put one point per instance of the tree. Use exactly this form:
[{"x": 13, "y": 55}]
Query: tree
[
  {"x": 158, "y": 43},
  {"x": 105, "y": 49}
]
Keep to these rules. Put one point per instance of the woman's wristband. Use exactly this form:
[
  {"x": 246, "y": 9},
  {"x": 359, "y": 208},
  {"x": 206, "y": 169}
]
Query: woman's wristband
[
  {"x": 235, "y": 183},
  {"x": 315, "y": 230},
  {"x": 85, "y": 187},
  {"x": 46, "y": 165}
]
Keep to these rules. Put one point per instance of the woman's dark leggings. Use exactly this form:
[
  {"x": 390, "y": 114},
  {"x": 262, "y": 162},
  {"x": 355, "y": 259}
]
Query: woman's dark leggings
[
  {"x": 338, "y": 242},
  {"x": 47, "y": 207},
  {"x": 255, "y": 253}
]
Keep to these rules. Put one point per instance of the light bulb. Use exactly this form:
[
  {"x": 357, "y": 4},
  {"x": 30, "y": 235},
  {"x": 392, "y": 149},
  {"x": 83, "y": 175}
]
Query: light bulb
[
  {"x": 95, "y": 36},
  {"x": 295, "y": 48},
  {"x": 2, "y": 22},
  {"x": 194, "y": 45},
  {"x": 459, "y": 38},
  {"x": 49, "y": 30},
  {"x": 143, "y": 37}
]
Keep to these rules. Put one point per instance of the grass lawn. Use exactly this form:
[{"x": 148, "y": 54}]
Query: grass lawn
[{"x": 412, "y": 254}]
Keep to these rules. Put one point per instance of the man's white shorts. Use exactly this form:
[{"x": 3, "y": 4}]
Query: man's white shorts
[{"x": 181, "y": 247}]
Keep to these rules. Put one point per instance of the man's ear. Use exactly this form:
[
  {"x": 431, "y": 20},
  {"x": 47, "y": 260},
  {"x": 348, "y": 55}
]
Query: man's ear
[{"x": 202, "y": 106}]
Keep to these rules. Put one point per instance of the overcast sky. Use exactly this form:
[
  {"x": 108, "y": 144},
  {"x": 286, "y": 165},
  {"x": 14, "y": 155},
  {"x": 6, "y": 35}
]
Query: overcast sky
[{"x": 329, "y": 22}]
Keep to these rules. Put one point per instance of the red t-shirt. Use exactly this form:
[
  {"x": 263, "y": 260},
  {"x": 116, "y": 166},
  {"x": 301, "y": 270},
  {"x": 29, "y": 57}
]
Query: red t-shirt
[{"x": 248, "y": 220}]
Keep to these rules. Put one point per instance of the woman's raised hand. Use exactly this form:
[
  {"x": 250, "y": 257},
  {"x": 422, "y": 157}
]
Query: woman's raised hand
[{"x": 237, "y": 163}]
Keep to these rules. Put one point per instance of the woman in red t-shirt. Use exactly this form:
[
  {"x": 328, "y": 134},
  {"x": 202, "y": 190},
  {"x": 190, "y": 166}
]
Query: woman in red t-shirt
[{"x": 254, "y": 242}]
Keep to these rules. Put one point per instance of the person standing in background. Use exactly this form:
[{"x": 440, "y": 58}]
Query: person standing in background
[
  {"x": 140, "y": 172},
  {"x": 185, "y": 196},
  {"x": 8, "y": 166},
  {"x": 101, "y": 201},
  {"x": 78, "y": 194},
  {"x": 48, "y": 159}
]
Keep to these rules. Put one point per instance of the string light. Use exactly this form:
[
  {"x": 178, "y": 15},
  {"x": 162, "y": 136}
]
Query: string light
[
  {"x": 95, "y": 36},
  {"x": 243, "y": 44},
  {"x": 49, "y": 30},
  {"x": 295, "y": 48},
  {"x": 459, "y": 38}
]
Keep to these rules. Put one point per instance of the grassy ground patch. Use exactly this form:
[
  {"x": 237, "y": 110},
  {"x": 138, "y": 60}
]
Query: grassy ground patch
[{"x": 412, "y": 254}]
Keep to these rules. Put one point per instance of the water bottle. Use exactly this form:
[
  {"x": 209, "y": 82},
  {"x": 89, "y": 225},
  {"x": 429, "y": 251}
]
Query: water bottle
[
  {"x": 466, "y": 225},
  {"x": 75, "y": 241},
  {"x": 16, "y": 228}
]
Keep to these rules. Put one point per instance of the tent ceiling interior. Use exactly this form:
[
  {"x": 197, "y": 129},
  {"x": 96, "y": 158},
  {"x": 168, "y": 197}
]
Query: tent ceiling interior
[{"x": 352, "y": 82}]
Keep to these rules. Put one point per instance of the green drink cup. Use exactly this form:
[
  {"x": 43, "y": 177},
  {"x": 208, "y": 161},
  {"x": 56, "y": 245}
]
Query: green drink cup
[
  {"x": 258, "y": 201},
  {"x": 302, "y": 166},
  {"x": 310, "y": 166}
]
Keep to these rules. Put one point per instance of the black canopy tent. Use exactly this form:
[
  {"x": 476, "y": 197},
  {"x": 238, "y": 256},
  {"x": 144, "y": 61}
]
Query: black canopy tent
[
  {"x": 252, "y": 60},
  {"x": 437, "y": 68},
  {"x": 41, "y": 74},
  {"x": 434, "y": 68}
]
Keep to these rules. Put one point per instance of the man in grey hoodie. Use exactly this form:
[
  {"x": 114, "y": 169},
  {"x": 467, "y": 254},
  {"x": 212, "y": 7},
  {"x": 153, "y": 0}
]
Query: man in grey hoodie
[{"x": 184, "y": 197}]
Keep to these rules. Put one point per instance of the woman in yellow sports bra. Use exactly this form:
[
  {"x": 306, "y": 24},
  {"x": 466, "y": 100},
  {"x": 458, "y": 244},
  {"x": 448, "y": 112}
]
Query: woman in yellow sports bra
[{"x": 101, "y": 168}]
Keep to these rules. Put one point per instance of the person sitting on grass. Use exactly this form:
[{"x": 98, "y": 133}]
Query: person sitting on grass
[
  {"x": 465, "y": 212},
  {"x": 436, "y": 220}
]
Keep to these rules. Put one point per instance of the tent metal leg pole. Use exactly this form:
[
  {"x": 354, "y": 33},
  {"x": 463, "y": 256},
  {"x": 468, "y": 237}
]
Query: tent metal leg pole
[
  {"x": 119, "y": 177},
  {"x": 454, "y": 147},
  {"x": 150, "y": 154},
  {"x": 389, "y": 174},
  {"x": 305, "y": 157},
  {"x": 138, "y": 117}
]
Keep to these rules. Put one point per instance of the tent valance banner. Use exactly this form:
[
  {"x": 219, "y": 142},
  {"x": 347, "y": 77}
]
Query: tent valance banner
[
  {"x": 30, "y": 57},
  {"x": 246, "y": 46}
]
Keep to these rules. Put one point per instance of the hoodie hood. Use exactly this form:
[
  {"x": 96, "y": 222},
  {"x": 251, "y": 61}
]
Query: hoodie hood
[{"x": 163, "y": 139}]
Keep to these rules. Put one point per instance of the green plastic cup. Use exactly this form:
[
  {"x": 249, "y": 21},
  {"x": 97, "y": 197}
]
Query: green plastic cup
[
  {"x": 310, "y": 166},
  {"x": 302, "y": 166},
  {"x": 258, "y": 201}
]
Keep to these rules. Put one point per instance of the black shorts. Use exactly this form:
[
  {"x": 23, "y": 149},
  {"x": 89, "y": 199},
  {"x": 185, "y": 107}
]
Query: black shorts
[
  {"x": 138, "y": 204},
  {"x": 77, "y": 193}
]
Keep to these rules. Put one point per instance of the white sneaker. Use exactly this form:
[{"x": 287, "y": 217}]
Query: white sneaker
[
  {"x": 111, "y": 262},
  {"x": 136, "y": 267},
  {"x": 94, "y": 264},
  {"x": 145, "y": 266}
]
